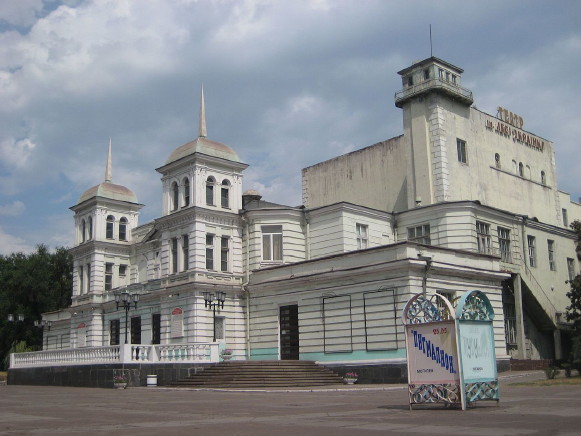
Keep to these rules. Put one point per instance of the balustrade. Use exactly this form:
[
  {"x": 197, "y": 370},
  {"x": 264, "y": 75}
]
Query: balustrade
[{"x": 132, "y": 353}]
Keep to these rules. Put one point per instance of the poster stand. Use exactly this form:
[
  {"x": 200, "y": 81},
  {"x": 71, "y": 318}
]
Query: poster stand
[{"x": 450, "y": 352}]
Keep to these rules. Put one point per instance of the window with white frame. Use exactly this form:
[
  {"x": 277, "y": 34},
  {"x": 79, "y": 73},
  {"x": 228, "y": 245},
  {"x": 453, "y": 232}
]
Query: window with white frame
[
  {"x": 108, "y": 276},
  {"x": 175, "y": 190},
  {"x": 186, "y": 192},
  {"x": 504, "y": 244},
  {"x": 571, "y": 268},
  {"x": 565, "y": 217},
  {"x": 420, "y": 234},
  {"x": 362, "y": 240},
  {"x": 210, "y": 182},
  {"x": 122, "y": 271},
  {"x": 551, "y": 251},
  {"x": 109, "y": 227},
  {"x": 272, "y": 243},
  {"x": 532, "y": 250},
  {"x": 174, "y": 255},
  {"x": 461, "y": 148},
  {"x": 224, "y": 250},
  {"x": 483, "y": 237},
  {"x": 81, "y": 276},
  {"x": 225, "y": 194},
  {"x": 123, "y": 229},
  {"x": 209, "y": 251},
  {"x": 186, "y": 251}
]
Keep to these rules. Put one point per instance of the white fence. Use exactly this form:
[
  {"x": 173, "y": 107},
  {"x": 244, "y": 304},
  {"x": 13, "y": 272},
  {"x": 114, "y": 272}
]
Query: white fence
[{"x": 125, "y": 353}]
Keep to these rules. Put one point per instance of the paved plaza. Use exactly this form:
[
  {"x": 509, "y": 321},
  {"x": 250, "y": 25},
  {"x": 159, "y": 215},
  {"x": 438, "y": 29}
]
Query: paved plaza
[{"x": 370, "y": 409}]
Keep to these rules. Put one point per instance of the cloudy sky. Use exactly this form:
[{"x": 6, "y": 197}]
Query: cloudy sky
[{"x": 287, "y": 84}]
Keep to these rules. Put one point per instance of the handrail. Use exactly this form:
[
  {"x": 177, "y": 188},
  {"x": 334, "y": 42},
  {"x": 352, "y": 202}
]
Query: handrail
[{"x": 125, "y": 353}]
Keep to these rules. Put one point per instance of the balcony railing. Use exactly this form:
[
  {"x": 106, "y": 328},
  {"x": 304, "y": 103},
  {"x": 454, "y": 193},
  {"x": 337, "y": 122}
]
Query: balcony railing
[
  {"x": 436, "y": 84},
  {"x": 131, "y": 353}
]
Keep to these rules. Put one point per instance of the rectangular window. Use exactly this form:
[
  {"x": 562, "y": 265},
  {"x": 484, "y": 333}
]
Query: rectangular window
[
  {"x": 209, "y": 251},
  {"x": 483, "y": 236},
  {"x": 210, "y": 193},
  {"x": 81, "y": 275},
  {"x": 565, "y": 219},
  {"x": 88, "y": 277},
  {"x": 224, "y": 243},
  {"x": 156, "y": 328},
  {"x": 136, "y": 330},
  {"x": 219, "y": 327},
  {"x": 504, "y": 244},
  {"x": 114, "y": 334},
  {"x": 272, "y": 243},
  {"x": 109, "y": 229},
  {"x": 361, "y": 230},
  {"x": 174, "y": 255},
  {"x": 420, "y": 234},
  {"x": 225, "y": 198},
  {"x": 532, "y": 244},
  {"x": 426, "y": 74},
  {"x": 122, "y": 270},
  {"x": 571, "y": 268},
  {"x": 108, "y": 276},
  {"x": 551, "y": 249},
  {"x": 461, "y": 147},
  {"x": 186, "y": 251}
]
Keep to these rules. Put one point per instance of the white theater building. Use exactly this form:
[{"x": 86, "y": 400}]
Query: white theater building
[{"x": 463, "y": 200}]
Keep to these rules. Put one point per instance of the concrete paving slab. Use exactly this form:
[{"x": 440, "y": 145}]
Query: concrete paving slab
[{"x": 523, "y": 410}]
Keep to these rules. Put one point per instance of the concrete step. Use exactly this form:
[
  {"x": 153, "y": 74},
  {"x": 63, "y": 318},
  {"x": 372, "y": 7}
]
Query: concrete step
[{"x": 258, "y": 374}]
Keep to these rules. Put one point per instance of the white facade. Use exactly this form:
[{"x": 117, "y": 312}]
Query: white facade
[{"x": 442, "y": 208}]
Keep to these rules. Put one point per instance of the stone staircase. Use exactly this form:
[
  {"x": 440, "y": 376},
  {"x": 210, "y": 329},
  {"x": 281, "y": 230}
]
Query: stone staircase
[{"x": 255, "y": 374}]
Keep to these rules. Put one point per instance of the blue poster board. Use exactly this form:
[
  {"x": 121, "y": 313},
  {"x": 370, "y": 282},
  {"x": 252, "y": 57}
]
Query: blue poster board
[{"x": 475, "y": 338}]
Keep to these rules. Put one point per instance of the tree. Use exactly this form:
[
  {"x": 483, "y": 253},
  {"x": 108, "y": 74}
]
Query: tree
[{"x": 31, "y": 285}]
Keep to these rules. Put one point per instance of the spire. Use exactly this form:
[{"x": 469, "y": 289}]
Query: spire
[
  {"x": 202, "y": 128},
  {"x": 109, "y": 170}
]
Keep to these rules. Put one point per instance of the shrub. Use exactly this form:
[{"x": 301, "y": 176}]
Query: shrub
[{"x": 551, "y": 372}]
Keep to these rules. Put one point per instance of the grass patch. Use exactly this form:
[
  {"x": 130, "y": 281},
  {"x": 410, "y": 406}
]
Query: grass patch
[
  {"x": 567, "y": 381},
  {"x": 3, "y": 375}
]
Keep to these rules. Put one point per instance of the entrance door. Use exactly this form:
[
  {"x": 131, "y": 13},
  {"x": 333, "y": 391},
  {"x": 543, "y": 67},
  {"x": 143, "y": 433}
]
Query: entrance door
[{"x": 289, "y": 332}]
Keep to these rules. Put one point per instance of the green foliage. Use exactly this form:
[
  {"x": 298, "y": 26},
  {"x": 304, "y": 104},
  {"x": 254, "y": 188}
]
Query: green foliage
[
  {"x": 30, "y": 285},
  {"x": 574, "y": 295},
  {"x": 551, "y": 372}
]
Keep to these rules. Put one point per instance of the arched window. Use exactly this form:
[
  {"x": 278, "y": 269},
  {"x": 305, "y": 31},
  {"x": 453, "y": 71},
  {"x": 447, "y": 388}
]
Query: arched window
[
  {"x": 83, "y": 230},
  {"x": 90, "y": 229},
  {"x": 123, "y": 229},
  {"x": 514, "y": 166},
  {"x": 109, "y": 230},
  {"x": 186, "y": 192},
  {"x": 175, "y": 196},
  {"x": 543, "y": 178},
  {"x": 225, "y": 194},
  {"x": 210, "y": 191},
  {"x": 497, "y": 160},
  {"x": 528, "y": 172},
  {"x": 521, "y": 171}
]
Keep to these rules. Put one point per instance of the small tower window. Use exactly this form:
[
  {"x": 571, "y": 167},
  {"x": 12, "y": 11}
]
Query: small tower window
[
  {"x": 410, "y": 80},
  {"x": 497, "y": 160},
  {"x": 521, "y": 171},
  {"x": 175, "y": 196},
  {"x": 109, "y": 229},
  {"x": 123, "y": 229},
  {"x": 543, "y": 178},
  {"x": 225, "y": 194},
  {"x": 90, "y": 230},
  {"x": 83, "y": 230},
  {"x": 210, "y": 191},
  {"x": 186, "y": 192},
  {"x": 427, "y": 74}
]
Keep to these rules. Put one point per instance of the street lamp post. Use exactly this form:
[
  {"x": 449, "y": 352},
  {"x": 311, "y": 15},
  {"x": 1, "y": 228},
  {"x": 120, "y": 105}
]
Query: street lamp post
[
  {"x": 125, "y": 299},
  {"x": 41, "y": 324},
  {"x": 210, "y": 303}
]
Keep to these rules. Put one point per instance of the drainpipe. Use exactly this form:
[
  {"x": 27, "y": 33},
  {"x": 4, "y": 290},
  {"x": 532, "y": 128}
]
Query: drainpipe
[
  {"x": 428, "y": 260},
  {"x": 245, "y": 287},
  {"x": 308, "y": 235}
]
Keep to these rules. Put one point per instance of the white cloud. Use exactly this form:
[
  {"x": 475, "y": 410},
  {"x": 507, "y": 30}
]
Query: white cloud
[
  {"x": 16, "y": 152},
  {"x": 20, "y": 12},
  {"x": 14, "y": 209},
  {"x": 13, "y": 244}
]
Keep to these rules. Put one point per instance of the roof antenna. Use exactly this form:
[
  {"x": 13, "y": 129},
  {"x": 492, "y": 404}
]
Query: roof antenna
[{"x": 431, "y": 49}]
